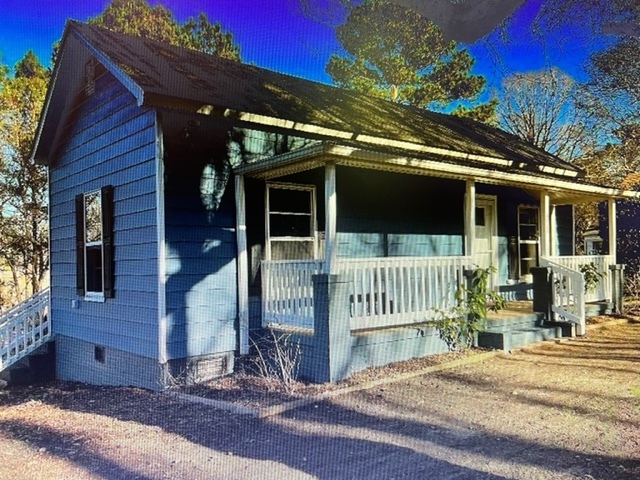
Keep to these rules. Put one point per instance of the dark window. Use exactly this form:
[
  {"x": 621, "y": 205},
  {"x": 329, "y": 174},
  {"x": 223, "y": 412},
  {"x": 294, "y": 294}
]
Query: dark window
[
  {"x": 94, "y": 244},
  {"x": 480, "y": 220}
]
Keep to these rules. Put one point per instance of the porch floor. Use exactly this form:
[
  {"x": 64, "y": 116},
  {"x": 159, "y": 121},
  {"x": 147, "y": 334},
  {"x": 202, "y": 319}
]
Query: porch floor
[{"x": 514, "y": 307}]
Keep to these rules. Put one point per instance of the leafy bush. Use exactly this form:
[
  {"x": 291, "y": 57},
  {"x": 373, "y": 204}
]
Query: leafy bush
[
  {"x": 591, "y": 276},
  {"x": 459, "y": 326}
]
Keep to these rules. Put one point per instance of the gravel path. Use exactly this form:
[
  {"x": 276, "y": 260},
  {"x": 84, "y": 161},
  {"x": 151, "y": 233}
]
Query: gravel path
[{"x": 569, "y": 410}]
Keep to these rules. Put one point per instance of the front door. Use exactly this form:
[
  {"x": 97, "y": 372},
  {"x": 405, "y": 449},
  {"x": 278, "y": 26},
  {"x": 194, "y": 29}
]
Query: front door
[{"x": 486, "y": 236}]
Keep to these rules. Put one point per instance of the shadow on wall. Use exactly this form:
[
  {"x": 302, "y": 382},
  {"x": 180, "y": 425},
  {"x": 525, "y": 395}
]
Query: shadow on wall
[{"x": 201, "y": 251}]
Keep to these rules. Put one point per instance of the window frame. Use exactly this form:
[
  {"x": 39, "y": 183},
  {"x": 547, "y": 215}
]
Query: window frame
[
  {"x": 83, "y": 270},
  {"x": 313, "y": 227}
]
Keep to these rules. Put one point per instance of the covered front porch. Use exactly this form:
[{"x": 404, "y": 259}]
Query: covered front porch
[{"x": 399, "y": 233}]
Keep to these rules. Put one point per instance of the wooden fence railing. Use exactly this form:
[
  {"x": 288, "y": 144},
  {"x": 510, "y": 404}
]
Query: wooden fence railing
[
  {"x": 401, "y": 290},
  {"x": 603, "y": 290},
  {"x": 287, "y": 291}
]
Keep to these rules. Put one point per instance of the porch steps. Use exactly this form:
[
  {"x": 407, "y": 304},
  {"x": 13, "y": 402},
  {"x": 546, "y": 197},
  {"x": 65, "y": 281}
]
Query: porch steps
[
  {"x": 509, "y": 330},
  {"x": 593, "y": 309}
]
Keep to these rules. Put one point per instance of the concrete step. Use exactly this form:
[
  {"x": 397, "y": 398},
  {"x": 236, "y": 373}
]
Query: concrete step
[
  {"x": 598, "y": 308},
  {"x": 518, "y": 291},
  {"x": 504, "y": 322},
  {"x": 510, "y": 339}
]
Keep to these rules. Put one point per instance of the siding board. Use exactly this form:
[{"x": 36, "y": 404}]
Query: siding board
[
  {"x": 111, "y": 142},
  {"x": 201, "y": 291}
]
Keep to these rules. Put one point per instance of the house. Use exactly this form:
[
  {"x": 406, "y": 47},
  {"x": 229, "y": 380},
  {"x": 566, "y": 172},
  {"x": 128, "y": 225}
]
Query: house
[
  {"x": 628, "y": 227},
  {"x": 194, "y": 199}
]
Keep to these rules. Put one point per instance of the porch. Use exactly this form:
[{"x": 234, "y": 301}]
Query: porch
[{"x": 397, "y": 267}]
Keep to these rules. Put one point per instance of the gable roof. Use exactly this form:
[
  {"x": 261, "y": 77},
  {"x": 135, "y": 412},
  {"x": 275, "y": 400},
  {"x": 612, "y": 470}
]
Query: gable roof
[{"x": 164, "y": 76}]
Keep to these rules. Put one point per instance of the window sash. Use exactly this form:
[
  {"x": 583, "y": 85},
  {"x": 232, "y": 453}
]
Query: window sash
[{"x": 299, "y": 213}]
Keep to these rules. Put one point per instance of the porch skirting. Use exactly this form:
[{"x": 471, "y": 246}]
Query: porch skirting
[{"x": 331, "y": 351}]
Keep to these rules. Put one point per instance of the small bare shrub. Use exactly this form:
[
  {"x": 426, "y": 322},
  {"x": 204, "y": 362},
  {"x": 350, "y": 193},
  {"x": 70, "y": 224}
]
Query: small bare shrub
[
  {"x": 276, "y": 359},
  {"x": 632, "y": 293}
]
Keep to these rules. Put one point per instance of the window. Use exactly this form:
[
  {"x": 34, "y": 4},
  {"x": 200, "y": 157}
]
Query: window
[
  {"x": 291, "y": 222},
  {"x": 94, "y": 244},
  {"x": 480, "y": 221}
]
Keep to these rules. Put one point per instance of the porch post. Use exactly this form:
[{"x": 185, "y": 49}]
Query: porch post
[
  {"x": 330, "y": 220},
  {"x": 545, "y": 229},
  {"x": 469, "y": 217},
  {"x": 553, "y": 231},
  {"x": 612, "y": 228},
  {"x": 243, "y": 273}
]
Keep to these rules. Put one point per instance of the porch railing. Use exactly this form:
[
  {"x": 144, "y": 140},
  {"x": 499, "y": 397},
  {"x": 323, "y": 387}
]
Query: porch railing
[
  {"x": 567, "y": 295},
  {"x": 384, "y": 292},
  {"x": 24, "y": 328},
  {"x": 401, "y": 290},
  {"x": 287, "y": 291},
  {"x": 603, "y": 290}
]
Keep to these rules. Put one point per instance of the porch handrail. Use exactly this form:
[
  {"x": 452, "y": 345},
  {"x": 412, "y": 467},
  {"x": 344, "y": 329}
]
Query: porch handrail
[
  {"x": 387, "y": 291},
  {"x": 24, "y": 328},
  {"x": 567, "y": 294},
  {"x": 603, "y": 290}
]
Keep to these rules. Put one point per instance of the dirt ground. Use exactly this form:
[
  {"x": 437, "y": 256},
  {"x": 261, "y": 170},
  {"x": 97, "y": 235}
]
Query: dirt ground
[{"x": 567, "y": 410}]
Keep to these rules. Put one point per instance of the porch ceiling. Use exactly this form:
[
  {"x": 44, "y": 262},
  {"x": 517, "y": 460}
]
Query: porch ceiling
[{"x": 561, "y": 190}]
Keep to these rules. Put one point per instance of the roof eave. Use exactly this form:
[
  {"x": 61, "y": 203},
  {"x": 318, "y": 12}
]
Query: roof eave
[
  {"x": 49, "y": 119},
  {"x": 250, "y": 119},
  {"x": 563, "y": 189}
]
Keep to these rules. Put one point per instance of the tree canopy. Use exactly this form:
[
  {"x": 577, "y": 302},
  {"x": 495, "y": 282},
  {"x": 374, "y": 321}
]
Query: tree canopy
[
  {"x": 393, "y": 52},
  {"x": 137, "y": 17},
  {"x": 23, "y": 185},
  {"x": 545, "y": 108},
  {"x": 614, "y": 80}
]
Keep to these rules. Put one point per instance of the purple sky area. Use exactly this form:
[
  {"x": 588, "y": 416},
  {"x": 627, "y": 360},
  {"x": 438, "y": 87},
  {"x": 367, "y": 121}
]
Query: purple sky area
[{"x": 271, "y": 34}]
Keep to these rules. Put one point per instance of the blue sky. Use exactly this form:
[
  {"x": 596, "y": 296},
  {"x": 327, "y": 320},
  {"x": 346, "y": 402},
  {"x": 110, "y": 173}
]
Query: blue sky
[{"x": 273, "y": 34}]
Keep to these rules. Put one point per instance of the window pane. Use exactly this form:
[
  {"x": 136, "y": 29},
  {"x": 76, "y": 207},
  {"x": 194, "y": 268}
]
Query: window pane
[
  {"x": 290, "y": 225},
  {"x": 93, "y": 217},
  {"x": 480, "y": 221},
  {"x": 293, "y": 250},
  {"x": 296, "y": 201},
  {"x": 94, "y": 268}
]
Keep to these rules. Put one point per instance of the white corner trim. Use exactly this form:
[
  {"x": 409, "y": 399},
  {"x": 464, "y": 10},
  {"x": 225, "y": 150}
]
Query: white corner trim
[{"x": 163, "y": 355}]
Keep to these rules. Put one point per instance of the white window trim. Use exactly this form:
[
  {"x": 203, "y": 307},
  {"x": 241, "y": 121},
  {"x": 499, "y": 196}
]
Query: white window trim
[
  {"x": 93, "y": 296},
  {"x": 314, "y": 226}
]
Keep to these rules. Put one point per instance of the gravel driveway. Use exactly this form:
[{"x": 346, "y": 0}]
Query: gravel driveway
[{"x": 567, "y": 410}]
